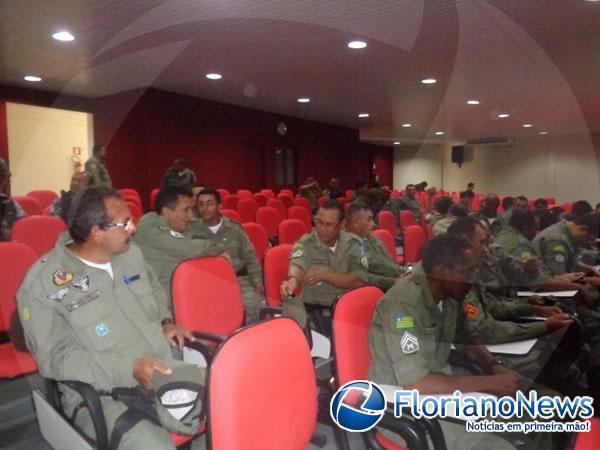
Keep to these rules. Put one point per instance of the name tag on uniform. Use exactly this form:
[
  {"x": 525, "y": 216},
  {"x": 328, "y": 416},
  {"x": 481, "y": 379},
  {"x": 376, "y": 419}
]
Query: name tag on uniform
[{"x": 79, "y": 302}]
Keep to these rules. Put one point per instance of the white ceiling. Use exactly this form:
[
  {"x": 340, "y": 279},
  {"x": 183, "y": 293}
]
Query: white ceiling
[{"x": 538, "y": 60}]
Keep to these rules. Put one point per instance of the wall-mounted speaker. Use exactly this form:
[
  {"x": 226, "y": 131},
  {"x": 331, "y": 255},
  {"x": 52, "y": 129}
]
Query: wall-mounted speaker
[{"x": 458, "y": 154}]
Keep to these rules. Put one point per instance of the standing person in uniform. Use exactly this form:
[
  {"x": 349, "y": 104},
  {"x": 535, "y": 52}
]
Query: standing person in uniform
[
  {"x": 325, "y": 263},
  {"x": 381, "y": 270},
  {"x": 414, "y": 326},
  {"x": 96, "y": 165},
  {"x": 164, "y": 238},
  {"x": 61, "y": 207},
  {"x": 311, "y": 191},
  {"x": 332, "y": 190},
  {"x": 179, "y": 175},
  {"x": 213, "y": 227},
  {"x": 93, "y": 311}
]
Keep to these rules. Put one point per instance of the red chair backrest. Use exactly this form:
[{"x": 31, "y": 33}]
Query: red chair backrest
[
  {"x": 44, "y": 197},
  {"x": 131, "y": 192},
  {"x": 342, "y": 201},
  {"x": 301, "y": 201},
  {"x": 414, "y": 241},
  {"x": 15, "y": 261},
  {"x": 244, "y": 193},
  {"x": 269, "y": 366},
  {"x": 38, "y": 232},
  {"x": 30, "y": 205},
  {"x": 351, "y": 321},
  {"x": 348, "y": 194},
  {"x": 135, "y": 210},
  {"x": 278, "y": 205},
  {"x": 551, "y": 200},
  {"x": 230, "y": 202},
  {"x": 287, "y": 200},
  {"x": 268, "y": 193},
  {"x": 269, "y": 218},
  {"x": 388, "y": 241},
  {"x": 568, "y": 206},
  {"x": 153, "y": 195},
  {"x": 247, "y": 209},
  {"x": 277, "y": 262},
  {"x": 300, "y": 213},
  {"x": 130, "y": 198},
  {"x": 322, "y": 200},
  {"x": 387, "y": 221},
  {"x": 259, "y": 238},
  {"x": 290, "y": 230},
  {"x": 231, "y": 214},
  {"x": 223, "y": 193},
  {"x": 206, "y": 296},
  {"x": 287, "y": 192},
  {"x": 407, "y": 218},
  {"x": 261, "y": 199},
  {"x": 47, "y": 210}
]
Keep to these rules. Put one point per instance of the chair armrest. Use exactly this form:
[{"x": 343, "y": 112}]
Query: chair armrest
[
  {"x": 459, "y": 359},
  {"x": 269, "y": 312},
  {"x": 408, "y": 429},
  {"x": 207, "y": 350}
]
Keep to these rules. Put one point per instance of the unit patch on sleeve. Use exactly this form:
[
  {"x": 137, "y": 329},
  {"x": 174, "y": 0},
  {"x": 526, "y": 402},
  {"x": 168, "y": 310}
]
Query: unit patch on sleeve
[
  {"x": 409, "y": 343},
  {"x": 471, "y": 311},
  {"x": 403, "y": 322},
  {"x": 298, "y": 250},
  {"x": 61, "y": 277}
]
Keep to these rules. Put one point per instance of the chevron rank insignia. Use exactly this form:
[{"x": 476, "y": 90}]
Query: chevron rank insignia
[{"x": 409, "y": 343}]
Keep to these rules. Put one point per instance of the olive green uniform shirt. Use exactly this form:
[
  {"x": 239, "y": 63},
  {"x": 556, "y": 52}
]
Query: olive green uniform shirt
[
  {"x": 381, "y": 270},
  {"x": 100, "y": 176},
  {"x": 410, "y": 337},
  {"x": 174, "y": 178},
  {"x": 164, "y": 248},
  {"x": 414, "y": 206},
  {"x": 558, "y": 249},
  {"x": 442, "y": 225}
]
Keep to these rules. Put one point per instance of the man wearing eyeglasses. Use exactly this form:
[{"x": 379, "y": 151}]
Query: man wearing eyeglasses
[{"x": 93, "y": 311}]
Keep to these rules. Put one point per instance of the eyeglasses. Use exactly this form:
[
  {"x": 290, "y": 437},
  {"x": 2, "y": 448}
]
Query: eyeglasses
[{"x": 125, "y": 225}]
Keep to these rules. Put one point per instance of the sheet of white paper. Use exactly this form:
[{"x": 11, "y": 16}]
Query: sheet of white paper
[
  {"x": 548, "y": 294},
  {"x": 533, "y": 318},
  {"x": 321, "y": 347},
  {"x": 513, "y": 348}
]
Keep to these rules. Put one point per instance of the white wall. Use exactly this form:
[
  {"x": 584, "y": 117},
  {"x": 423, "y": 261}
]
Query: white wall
[
  {"x": 40, "y": 143},
  {"x": 565, "y": 167}
]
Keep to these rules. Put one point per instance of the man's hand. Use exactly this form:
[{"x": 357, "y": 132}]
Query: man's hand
[
  {"x": 259, "y": 289},
  {"x": 313, "y": 276},
  {"x": 535, "y": 300},
  {"x": 176, "y": 335},
  {"x": 226, "y": 255},
  {"x": 288, "y": 287},
  {"x": 557, "y": 322},
  {"x": 144, "y": 367},
  {"x": 547, "y": 311},
  {"x": 571, "y": 277},
  {"x": 505, "y": 381}
]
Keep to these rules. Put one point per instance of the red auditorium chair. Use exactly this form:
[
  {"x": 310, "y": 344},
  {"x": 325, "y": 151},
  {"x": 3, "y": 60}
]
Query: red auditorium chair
[
  {"x": 38, "y": 232},
  {"x": 287, "y": 200},
  {"x": 351, "y": 320},
  {"x": 30, "y": 205},
  {"x": 259, "y": 238},
  {"x": 269, "y": 218},
  {"x": 277, "y": 262},
  {"x": 287, "y": 192},
  {"x": 223, "y": 193},
  {"x": 322, "y": 200},
  {"x": 263, "y": 371},
  {"x": 290, "y": 230},
  {"x": 247, "y": 210},
  {"x": 267, "y": 193},
  {"x": 15, "y": 260},
  {"x": 301, "y": 201},
  {"x": 386, "y": 237},
  {"x": 260, "y": 199},
  {"x": 348, "y": 194},
  {"x": 47, "y": 210},
  {"x": 342, "y": 202},
  {"x": 279, "y": 206},
  {"x": 551, "y": 200},
  {"x": 130, "y": 198},
  {"x": 414, "y": 241},
  {"x": 387, "y": 221},
  {"x": 244, "y": 193},
  {"x": 127, "y": 192},
  {"x": 300, "y": 213},
  {"x": 231, "y": 214},
  {"x": 407, "y": 218},
  {"x": 135, "y": 210},
  {"x": 230, "y": 201},
  {"x": 44, "y": 197},
  {"x": 153, "y": 195}
]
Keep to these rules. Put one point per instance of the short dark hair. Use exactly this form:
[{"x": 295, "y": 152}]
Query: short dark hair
[
  {"x": 446, "y": 250},
  {"x": 521, "y": 220},
  {"x": 523, "y": 198},
  {"x": 333, "y": 204},
  {"x": 355, "y": 208},
  {"x": 97, "y": 147},
  {"x": 541, "y": 201},
  {"x": 470, "y": 184},
  {"x": 89, "y": 210},
  {"x": 507, "y": 203},
  {"x": 590, "y": 221},
  {"x": 169, "y": 196},
  {"x": 211, "y": 191},
  {"x": 443, "y": 204},
  {"x": 408, "y": 185},
  {"x": 467, "y": 193},
  {"x": 458, "y": 210},
  {"x": 464, "y": 226},
  {"x": 360, "y": 184},
  {"x": 581, "y": 208},
  {"x": 550, "y": 217}
]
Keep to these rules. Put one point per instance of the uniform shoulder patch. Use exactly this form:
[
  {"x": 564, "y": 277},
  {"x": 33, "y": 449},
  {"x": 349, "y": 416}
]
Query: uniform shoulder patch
[
  {"x": 560, "y": 248},
  {"x": 26, "y": 313},
  {"x": 525, "y": 254},
  {"x": 559, "y": 258},
  {"x": 365, "y": 262},
  {"x": 409, "y": 343},
  {"x": 298, "y": 250},
  {"x": 60, "y": 277},
  {"x": 403, "y": 322},
  {"x": 471, "y": 311}
]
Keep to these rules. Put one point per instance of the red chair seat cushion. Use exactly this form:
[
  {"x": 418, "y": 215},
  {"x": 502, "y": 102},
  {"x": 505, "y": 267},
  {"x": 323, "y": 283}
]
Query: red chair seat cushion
[{"x": 13, "y": 362}]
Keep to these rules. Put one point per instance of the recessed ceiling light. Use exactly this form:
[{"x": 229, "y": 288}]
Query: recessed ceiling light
[
  {"x": 303, "y": 100},
  {"x": 543, "y": 132},
  {"x": 32, "y": 78},
  {"x": 503, "y": 116},
  {"x": 429, "y": 81},
  {"x": 527, "y": 125},
  {"x": 472, "y": 102},
  {"x": 396, "y": 142},
  {"x": 214, "y": 76},
  {"x": 63, "y": 36},
  {"x": 407, "y": 125},
  {"x": 362, "y": 115},
  {"x": 439, "y": 133},
  {"x": 357, "y": 44}
]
